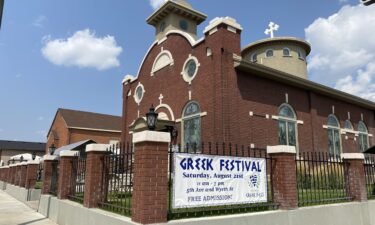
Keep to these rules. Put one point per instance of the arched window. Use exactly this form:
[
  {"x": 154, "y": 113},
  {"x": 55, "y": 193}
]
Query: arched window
[
  {"x": 287, "y": 126},
  {"x": 254, "y": 57},
  {"x": 348, "y": 125},
  {"x": 334, "y": 138},
  {"x": 363, "y": 136},
  {"x": 286, "y": 52},
  {"x": 269, "y": 53},
  {"x": 191, "y": 126},
  {"x": 300, "y": 55}
]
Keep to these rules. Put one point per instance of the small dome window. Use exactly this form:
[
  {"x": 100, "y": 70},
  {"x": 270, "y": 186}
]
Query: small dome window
[
  {"x": 269, "y": 53},
  {"x": 253, "y": 57},
  {"x": 162, "y": 27},
  {"x": 286, "y": 52},
  {"x": 184, "y": 25}
]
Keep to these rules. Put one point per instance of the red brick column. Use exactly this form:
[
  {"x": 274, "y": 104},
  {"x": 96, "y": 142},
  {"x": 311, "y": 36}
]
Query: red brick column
[
  {"x": 94, "y": 175},
  {"x": 150, "y": 187},
  {"x": 355, "y": 176},
  {"x": 284, "y": 178},
  {"x": 22, "y": 177},
  {"x": 65, "y": 174},
  {"x": 7, "y": 175},
  {"x": 17, "y": 174},
  {"x": 12, "y": 174},
  {"x": 47, "y": 173},
  {"x": 31, "y": 174}
]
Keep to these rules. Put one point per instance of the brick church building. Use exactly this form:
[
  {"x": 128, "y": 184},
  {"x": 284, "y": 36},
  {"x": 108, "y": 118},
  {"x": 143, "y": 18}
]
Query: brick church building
[{"x": 212, "y": 90}]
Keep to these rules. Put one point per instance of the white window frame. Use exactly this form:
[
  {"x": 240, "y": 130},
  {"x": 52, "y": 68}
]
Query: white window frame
[
  {"x": 273, "y": 53},
  {"x": 290, "y": 120},
  {"x": 184, "y": 74},
  {"x": 289, "y": 55},
  {"x": 183, "y": 118},
  {"x": 252, "y": 57},
  {"x": 363, "y": 133},
  {"x": 136, "y": 99},
  {"x": 156, "y": 66},
  {"x": 329, "y": 127}
]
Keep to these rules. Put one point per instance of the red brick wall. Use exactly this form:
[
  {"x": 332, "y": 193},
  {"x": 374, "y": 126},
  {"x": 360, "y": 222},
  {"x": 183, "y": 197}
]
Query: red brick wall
[
  {"x": 228, "y": 96},
  {"x": 69, "y": 136}
]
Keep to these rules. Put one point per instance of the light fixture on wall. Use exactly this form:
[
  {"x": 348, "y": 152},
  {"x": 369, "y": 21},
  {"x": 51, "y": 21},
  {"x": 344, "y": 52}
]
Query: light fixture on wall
[
  {"x": 51, "y": 149},
  {"x": 151, "y": 117}
]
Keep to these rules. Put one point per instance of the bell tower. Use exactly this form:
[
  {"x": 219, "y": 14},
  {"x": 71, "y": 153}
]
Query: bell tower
[{"x": 176, "y": 15}]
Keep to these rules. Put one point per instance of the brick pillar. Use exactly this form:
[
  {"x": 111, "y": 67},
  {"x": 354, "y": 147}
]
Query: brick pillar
[
  {"x": 17, "y": 174},
  {"x": 150, "y": 187},
  {"x": 355, "y": 176},
  {"x": 22, "y": 179},
  {"x": 284, "y": 178},
  {"x": 94, "y": 175},
  {"x": 65, "y": 174},
  {"x": 31, "y": 174},
  {"x": 12, "y": 173},
  {"x": 7, "y": 175},
  {"x": 47, "y": 173}
]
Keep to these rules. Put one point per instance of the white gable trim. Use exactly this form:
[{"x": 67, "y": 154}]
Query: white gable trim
[{"x": 163, "y": 59}]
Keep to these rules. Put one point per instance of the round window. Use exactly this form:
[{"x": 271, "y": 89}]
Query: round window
[
  {"x": 191, "y": 68},
  {"x": 183, "y": 24},
  {"x": 162, "y": 27},
  {"x": 139, "y": 91}
]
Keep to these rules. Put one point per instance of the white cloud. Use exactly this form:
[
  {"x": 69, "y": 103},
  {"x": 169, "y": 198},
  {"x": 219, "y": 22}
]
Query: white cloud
[
  {"x": 38, "y": 22},
  {"x": 344, "y": 50},
  {"x": 156, "y": 3},
  {"x": 82, "y": 49}
]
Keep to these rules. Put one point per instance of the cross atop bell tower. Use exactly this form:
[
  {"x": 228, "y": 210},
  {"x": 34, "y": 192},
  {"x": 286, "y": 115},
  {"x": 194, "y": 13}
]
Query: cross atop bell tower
[{"x": 176, "y": 15}]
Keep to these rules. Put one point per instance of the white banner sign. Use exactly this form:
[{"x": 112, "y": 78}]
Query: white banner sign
[{"x": 204, "y": 180}]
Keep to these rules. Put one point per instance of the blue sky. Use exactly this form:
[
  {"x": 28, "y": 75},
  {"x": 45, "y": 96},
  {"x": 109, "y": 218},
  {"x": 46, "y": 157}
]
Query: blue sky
[{"x": 74, "y": 54}]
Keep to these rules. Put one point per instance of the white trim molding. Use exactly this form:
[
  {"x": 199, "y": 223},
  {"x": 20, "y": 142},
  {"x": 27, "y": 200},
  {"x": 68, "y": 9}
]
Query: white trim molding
[
  {"x": 50, "y": 157},
  {"x": 168, "y": 108},
  {"x": 151, "y": 136},
  {"x": 97, "y": 147},
  {"x": 281, "y": 149},
  {"x": 69, "y": 153},
  {"x": 94, "y": 129},
  {"x": 352, "y": 156},
  {"x": 136, "y": 99},
  {"x": 163, "y": 59},
  {"x": 230, "y": 22},
  {"x": 184, "y": 74}
]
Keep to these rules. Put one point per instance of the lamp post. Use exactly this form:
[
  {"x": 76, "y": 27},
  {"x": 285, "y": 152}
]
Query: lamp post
[
  {"x": 51, "y": 149},
  {"x": 151, "y": 117},
  {"x": 33, "y": 156}
]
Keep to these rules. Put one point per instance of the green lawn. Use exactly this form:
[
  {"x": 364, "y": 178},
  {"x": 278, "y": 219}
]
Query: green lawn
[{"x": 309, "y": 197}]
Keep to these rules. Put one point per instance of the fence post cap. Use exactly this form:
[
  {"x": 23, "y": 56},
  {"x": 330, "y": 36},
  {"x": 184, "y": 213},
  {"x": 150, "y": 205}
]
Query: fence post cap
[
  {"x": 23, "y": 163},
  {"x": 353, "y": 156},
  {"x": 5, "y": 167},
  {"x": 50, "y": 157},
  {"x": 33, "y": 162},
  {"x": 281, "y": 149},
  {"x": 151, "y": 136},
  {"x": 69, "y": 153},
  {"x": 97, "y": 147}
]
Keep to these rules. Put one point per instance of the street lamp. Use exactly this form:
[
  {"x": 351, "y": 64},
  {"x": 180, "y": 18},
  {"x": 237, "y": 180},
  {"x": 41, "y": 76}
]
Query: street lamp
[
  {"x": 151, "y": 117},
  {"x": 33, "y": 156},
  {"x": 51, "y": 149}
]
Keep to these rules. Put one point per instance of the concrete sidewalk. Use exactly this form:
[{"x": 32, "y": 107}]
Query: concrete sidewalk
[{"x": 13, "y": 212}]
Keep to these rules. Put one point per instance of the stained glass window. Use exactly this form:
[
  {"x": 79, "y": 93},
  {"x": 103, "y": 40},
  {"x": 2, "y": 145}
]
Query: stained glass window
[
  {"x": 363, "y": 136},
  {"x": 192, "y": 127},
  {"x": 348, "y": 125},
  {"x": 334, "y": 138},
  {"x": 287, "y": 126}
]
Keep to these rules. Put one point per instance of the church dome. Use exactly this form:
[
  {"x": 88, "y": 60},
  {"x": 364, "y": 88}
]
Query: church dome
[{"x": 287, "y": 54}]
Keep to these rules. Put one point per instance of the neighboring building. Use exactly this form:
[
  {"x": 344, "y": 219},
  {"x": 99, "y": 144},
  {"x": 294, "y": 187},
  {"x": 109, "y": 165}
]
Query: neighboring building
[
  {"x": 71, "y": 126},
  {"x": 12, "y": 148},
  {"x": 214, "y": 91}
]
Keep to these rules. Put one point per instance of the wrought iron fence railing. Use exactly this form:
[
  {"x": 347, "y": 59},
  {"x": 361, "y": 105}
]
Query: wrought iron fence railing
[
  {"x": 118, "y": 179},
  {"x": 77, "y": 179},
  {"x": 370, "y": 175},
  {"x": 321, "y": 178},
  {"x": 219, "y": 149},
  {"x": 54, "y": 178}
]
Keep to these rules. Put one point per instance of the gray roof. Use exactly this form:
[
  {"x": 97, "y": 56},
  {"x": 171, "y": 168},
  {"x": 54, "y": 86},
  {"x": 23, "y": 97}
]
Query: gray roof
[
  {"x": 22, "y": 146},
  {"x": 73, "y": 146}
]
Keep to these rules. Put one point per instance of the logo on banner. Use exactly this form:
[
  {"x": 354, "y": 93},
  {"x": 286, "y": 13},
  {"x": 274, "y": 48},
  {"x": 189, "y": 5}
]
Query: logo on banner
[{"x": 254, "y": 182}]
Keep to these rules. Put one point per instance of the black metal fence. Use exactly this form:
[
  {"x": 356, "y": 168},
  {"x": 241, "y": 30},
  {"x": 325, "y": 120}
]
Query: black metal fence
[
  {"x": 118, "y": 179},
  {"x": 54, "y": 178},
  {"x": 370, "y": 175},
  {"x": 220, "y": 149},
  {"x": 78, "y": 179},
  {"x": 321, "y": 179},
  {"x": 39, "y": 172}
]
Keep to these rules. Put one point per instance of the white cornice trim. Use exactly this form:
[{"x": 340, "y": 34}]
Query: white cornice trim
[
  {"x": 226, "y": 20},
  {"x": 281, "y": 149},
  {"x": 151, "y": 136},
  {"x": 97, "y": 147},
  {"x": 353, "y": 156},
  {"x": 93, "y": 129},
  {"x": 69, "y": 153}
]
